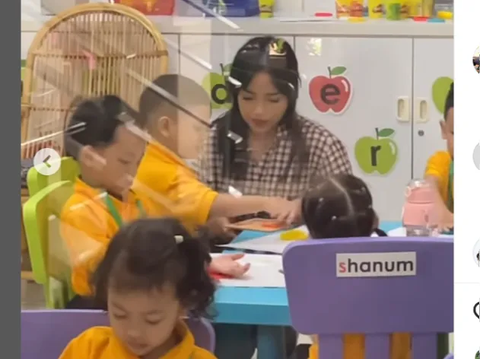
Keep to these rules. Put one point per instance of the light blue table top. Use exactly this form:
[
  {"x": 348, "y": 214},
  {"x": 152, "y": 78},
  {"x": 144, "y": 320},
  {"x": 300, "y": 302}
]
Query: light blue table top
[{"x": 258, "y": 306}]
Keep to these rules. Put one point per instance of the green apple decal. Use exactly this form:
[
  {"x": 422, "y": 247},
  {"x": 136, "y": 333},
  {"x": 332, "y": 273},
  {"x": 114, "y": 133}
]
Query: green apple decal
[
  {"x": 214, "y": 84},
  {"x": 440, "y": 89},
  {"x": 377, "y": 154}
]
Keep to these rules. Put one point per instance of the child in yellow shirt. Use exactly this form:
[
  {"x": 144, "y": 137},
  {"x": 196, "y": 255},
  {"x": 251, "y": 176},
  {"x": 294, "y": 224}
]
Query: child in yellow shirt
[
  {"x": 177, "y": 132},
  {"x": 102, "y": 137},
  {"x": 439, "y": 171},
  {"x": 152, "y": 276},
  {"x": 178, "y": 129},
  {"x": 342, "y": 207}
]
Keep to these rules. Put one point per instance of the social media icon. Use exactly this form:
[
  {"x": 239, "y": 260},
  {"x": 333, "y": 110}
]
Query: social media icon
[
  {"x": 476, "y": 253},
  {"x": 476, "y": 156},
  {"x": 47, "y": 161}
]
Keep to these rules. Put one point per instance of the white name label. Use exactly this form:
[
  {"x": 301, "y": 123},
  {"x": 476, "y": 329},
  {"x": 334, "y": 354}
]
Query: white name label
[{"x": 394, "y": 264}]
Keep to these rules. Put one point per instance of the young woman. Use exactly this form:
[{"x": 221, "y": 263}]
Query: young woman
[{"x": 262, "y": 146}]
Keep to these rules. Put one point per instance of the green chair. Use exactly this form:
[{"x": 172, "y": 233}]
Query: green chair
[
  {"x": 48, "y": 255},
  {"x": 69, "y": 170}
]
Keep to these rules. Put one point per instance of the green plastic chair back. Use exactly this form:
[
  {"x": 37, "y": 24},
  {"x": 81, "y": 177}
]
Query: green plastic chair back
[
  {"x": 48, "y": 255},
  {"x": 69, "y": 171}
]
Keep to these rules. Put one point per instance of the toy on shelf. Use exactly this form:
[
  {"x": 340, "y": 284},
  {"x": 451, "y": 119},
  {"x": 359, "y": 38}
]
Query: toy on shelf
[
  {"x": 445, "y": 15},
  {"x": 356, "y": 8},
  {"x": 150, "y": 7},
  {"x": 375, "y": 9},
  {"x": 228, "y": 8},
  {"x": 343, "y": 8},
  {"x": 266, "y": 8}
]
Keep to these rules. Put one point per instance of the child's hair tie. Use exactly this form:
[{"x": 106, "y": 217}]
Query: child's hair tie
[{"x": 178, "y": 239}]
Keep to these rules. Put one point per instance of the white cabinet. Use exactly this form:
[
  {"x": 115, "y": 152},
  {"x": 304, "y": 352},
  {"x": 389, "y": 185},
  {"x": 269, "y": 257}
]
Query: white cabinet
[
  {"x": 363, "y": 110},
  {"x": 432, "y": 75}
]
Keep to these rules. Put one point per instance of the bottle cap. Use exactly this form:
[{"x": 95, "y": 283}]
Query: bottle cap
[
  {"x": 436, "y": 20},
  {"x": 446, "y": 15},
  {"x": 323, "y": 14},
  {"x": 420, "y": 18}
]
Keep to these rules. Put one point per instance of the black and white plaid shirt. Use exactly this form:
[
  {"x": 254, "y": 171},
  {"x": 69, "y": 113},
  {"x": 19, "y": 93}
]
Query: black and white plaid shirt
[{"x": 271, "y": 176}]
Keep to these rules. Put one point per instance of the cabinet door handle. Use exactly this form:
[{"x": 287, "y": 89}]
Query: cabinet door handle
[
  {"x": 421, "y": 110},
  {"x": 403, "y": 109}
]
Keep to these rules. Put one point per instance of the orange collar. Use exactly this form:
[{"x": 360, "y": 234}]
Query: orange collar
[{"x": 184, "y": 349}]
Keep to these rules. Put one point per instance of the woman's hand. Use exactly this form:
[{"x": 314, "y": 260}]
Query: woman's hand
[
  {"x": 228, "y": 264},
  {"x": 284, "y": 210}
]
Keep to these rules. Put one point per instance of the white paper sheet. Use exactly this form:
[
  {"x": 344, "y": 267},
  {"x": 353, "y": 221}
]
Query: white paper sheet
[
  {"x": 402, "y": 232},
  {"x": 265, "y": 271},
  {"x": 270, "y": 243}
]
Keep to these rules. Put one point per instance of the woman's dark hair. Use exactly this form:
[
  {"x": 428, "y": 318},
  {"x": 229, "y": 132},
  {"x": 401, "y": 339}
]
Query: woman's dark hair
[
  {"x": 148, "y": 254},
  {"x": 94, "y": 122},
  {"x": 449, "y": 101},
  {"x": 276, "y": 57},
  {"x": 340, "y": 207}
]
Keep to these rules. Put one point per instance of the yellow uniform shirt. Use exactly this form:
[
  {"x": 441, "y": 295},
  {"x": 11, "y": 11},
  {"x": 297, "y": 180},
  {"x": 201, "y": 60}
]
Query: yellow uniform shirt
[
  {"x": 354, "y": 347},
  {"x": 87, "y": 226},
  {"x": 167, "y": 179},
  {"x": 101, "y": 343},
  {"x": 439, "y": 166}
]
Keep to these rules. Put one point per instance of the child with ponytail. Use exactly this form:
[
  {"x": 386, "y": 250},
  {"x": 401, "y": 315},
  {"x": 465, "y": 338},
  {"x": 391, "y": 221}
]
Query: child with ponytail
[
  {"x": 342, "y": 207},
  {"x": 152, "y": 276}
]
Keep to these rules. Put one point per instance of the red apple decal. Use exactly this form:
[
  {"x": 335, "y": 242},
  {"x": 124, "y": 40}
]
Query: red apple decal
[{"x": 332, "y": 93}]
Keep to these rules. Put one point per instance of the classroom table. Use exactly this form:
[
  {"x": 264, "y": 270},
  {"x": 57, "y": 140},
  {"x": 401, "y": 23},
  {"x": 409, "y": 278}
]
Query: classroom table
[{"x": 267, "y": 308}]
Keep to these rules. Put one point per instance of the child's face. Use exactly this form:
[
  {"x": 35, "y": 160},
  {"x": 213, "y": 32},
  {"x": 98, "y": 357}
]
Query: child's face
[
  {"x": 144, "y": 321},
  {"x": 121, "y": 161},
  {"x": 185, "y": 135},
  {"x": 191, "y": 133},
  {"x": 447, "y": 130}
]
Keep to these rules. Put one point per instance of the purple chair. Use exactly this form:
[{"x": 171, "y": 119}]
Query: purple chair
[
  {"x": 45, "y": 333},
  {"x": 329, "y": 301}
]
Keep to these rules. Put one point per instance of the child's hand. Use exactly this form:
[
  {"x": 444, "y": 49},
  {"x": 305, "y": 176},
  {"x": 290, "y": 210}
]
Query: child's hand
[
  {"x": 446, "y": 220},
  {"x": 284, "y": 210},
  {"x": 228, "y": 264},
  {"x": 218, "y": 226}
]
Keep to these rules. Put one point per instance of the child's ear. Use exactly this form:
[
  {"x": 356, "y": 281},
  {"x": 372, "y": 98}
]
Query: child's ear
[
  {"x": 164, "y": 126},
  {"x": 442, "y": 128},
  {"x": 90, "y": 158}
]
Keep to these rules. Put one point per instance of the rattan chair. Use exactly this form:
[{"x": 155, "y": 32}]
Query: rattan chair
[{"x": 89, "y": 50}]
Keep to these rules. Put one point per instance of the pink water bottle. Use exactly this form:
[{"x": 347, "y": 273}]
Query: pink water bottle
[{"x": 419, "y": 213}]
